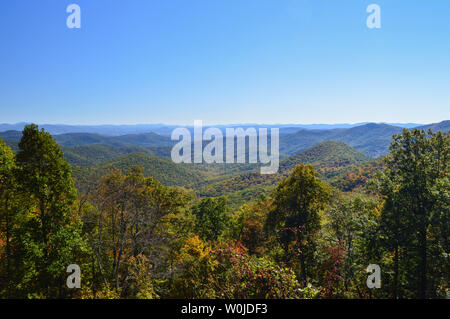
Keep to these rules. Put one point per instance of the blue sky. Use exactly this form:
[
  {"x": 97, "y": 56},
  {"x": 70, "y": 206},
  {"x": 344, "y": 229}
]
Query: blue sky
[{"x": 227, "y": 61}]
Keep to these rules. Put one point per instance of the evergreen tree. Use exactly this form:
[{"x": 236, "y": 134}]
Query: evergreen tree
[
  {"x": 414, "y": 221},
  {"x": 50, "y": 237}
]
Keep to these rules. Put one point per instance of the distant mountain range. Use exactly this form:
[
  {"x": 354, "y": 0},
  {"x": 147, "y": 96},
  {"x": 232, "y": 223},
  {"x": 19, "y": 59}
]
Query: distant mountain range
[
  {"x": 371, "y": 139},
  {"x": 343, "y": 156},
  {"x": 108, "y": 130},
  {"x": 166, "y": 130}
]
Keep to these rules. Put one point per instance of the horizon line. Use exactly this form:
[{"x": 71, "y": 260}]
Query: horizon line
[{"x": 230, "y": 124}]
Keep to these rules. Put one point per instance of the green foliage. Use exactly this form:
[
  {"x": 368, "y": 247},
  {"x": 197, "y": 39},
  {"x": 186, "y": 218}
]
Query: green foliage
[
  {"x": 128, "y": 225},
  {"x": 242, "y": 276},
  {"x": 415, "y": 216},
  {"x": 97, "y": 154},
  {"x": 248, "y": 225},
  {"x": 47, "y": 233},
  {"x": 212, "y": 218},
  {"x": 326, "y": 157},
  {"x": 350, "y": 242},
  {"x": 331, "y": 160},
  {"x": 8, "y": 206},
  {"x": 355, "y": 177},
  {"x": 295, "y": 217},
  {"x": 227, "y": 271},
  {"x": 167, "y": 172},
  {"x": 195, "y": 277}
]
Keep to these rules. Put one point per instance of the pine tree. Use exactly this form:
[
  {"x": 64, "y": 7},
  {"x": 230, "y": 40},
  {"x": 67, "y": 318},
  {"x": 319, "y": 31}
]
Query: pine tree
[{"x": 51, "y": 236}]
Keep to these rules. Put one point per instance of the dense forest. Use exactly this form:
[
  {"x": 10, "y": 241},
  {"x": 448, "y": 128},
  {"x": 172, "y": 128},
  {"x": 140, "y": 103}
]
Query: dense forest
[{"x": 140, "y": 226}]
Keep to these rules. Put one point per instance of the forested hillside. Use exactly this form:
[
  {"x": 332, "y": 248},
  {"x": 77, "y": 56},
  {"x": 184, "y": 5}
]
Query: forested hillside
[
  {"x": 443, "y": 126},
  {"x": 96, "y": 154},
  {"x": 371, "y": 139},
  {"x": 140, "y": 226},
  {"x": 163, "y": 169},
  {"x": 330, "y": 159}
]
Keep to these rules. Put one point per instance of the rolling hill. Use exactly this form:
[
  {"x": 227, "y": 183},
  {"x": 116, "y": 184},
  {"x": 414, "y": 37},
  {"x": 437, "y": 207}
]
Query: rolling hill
[
  {"x": 144, "y": 140},
  {"x": 96, "y": 154},
  {"x": 240, "y": 183},
  {"x": 329, "y": 158},
  {"x": 325, "y": 157},
  {"x": 371, "y": 139},
  {"x": 162, "y": 169},
  {"x": 80, "y": 139}
]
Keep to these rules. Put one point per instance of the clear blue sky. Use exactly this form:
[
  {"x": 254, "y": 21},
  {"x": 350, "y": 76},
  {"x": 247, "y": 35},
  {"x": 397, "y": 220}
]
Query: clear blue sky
[{"x": 227, "y": 61}]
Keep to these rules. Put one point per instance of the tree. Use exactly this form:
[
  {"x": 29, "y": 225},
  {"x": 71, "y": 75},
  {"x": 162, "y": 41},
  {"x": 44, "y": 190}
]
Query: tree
[
  {"x": 50, "y": 237},
  {"x": 225, "y": 270},
  {"x": 351, "y": 235},
  {"x": 248, "y": 225},
  {"x": 211, "y": 218},
  {"x": 415, "y": 217},
  {"x": 196, "y": 266},
  {"x": 128, "y": 229},
  {"x": 239, "y": 275},
  {"x": 8, "y": 188},
  {"x": 295, "y": 217}
]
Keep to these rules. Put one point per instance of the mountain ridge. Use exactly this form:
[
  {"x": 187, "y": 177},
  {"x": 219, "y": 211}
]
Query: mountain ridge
[
  {"x": 371, "y": 138},
  {"x": 330, "y": 159},
  {"x": 166, "y": 129}
]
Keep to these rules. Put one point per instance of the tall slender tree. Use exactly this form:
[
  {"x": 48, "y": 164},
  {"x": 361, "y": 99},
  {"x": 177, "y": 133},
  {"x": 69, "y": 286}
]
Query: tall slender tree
[
  {"x": 414, "y": 185},
  {"x": 51, "y": 237}
]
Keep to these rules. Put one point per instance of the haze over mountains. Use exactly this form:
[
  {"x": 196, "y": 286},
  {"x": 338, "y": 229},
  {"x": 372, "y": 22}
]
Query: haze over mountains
[
  {"x": 162, "y": 129},
  {"x": 371, "y": 139},
  {"x": 88, "y": 148}
]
